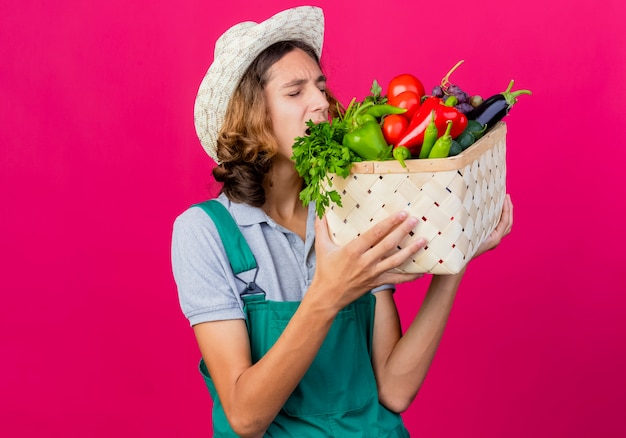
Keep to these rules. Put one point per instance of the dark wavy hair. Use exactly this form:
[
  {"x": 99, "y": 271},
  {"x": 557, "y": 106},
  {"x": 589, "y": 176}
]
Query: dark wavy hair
[{"x": 245, "y": 143}]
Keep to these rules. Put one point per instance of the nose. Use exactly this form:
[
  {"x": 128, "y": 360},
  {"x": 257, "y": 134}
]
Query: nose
[{"x": 319, "y": 102}]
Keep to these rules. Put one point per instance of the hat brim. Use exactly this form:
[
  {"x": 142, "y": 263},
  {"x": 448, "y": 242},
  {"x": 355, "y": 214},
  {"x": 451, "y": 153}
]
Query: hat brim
[{"x": 235, "y": 50}]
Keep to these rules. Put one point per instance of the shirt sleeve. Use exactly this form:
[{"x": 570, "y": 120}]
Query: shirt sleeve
[
  {"x": 207, "y": 288},
  {"x": 391, "y": 287}
]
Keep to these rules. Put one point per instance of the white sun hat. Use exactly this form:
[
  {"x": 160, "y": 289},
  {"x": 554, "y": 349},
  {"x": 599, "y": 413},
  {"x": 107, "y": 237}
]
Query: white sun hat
[{"x": 235, "y": 50}]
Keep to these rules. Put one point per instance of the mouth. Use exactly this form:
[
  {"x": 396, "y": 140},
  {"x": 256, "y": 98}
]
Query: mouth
[{"x": 316, "y": 122}]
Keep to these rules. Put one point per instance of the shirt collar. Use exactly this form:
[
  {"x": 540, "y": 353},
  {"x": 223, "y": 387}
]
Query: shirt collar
[{"x": 245, "y": 214}]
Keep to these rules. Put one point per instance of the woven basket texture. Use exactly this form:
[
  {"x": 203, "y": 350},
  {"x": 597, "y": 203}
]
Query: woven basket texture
[{"x": 458, "y": 201}]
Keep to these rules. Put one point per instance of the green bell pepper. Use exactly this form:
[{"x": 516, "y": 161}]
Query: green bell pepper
[{"x": 368, "y": 142}]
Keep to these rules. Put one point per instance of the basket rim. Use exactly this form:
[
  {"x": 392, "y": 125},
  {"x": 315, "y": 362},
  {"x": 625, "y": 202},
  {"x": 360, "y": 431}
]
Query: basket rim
[{"x": 434, "y": 164}]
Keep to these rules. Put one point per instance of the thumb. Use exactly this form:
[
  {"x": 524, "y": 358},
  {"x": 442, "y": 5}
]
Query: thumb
[{"x": 321, "y": 231}]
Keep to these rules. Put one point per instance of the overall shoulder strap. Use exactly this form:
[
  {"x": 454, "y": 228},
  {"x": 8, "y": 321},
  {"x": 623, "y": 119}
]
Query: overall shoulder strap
[{"x": 239, "y": 254}]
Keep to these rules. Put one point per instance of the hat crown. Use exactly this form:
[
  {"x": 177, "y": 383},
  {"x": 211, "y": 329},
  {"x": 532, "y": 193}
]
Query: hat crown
[{"x": 232, "y": 35}]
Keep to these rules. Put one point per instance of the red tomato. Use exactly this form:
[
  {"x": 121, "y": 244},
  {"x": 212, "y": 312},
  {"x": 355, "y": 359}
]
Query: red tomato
[
  {"x": 408, "y": 100},
  {"x": 405, "y": 82},
  {"x": 394, "y": 126}
]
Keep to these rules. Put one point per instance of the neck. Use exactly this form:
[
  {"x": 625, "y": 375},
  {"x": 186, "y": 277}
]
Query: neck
[{"x": 282, "y": 203}]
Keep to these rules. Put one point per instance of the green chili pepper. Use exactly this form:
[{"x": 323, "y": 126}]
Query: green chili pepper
[
  {"x": 384, "y": 109},
  {"x": 451, "y": 101},
  {"x": 441, "y": 148},
  {"x": 430, "y": 136},
  {"x": 401, "y": 153},
  {"x": 368, "y": 142}
]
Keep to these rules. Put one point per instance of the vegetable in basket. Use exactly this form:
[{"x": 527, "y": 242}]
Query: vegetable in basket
[
  {"x": 362, "y": 131},
  {"x": 332, "y": 146},
  {"x": 455, "y": 148},
  {"x": 430, "y": 136},
  {"x": 405, "y": 91},
  {"x": 401, "y": 153},
  {"x": 466, "y": 139},
  {"x": 473, "y": 131},
  {"x": 493, "y": 109},
  {"x": 442, "y": 112},
  {"x": 409, "y": 100},
  {"x": 368, "y": 142},
  {"x": 441, "y": 148},
  {"x": 402, "y": 83},
  {"x": 394, "y": 126}
]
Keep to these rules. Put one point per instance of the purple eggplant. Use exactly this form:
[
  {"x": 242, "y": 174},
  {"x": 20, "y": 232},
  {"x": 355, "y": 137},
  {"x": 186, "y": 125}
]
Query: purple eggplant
[{"x": 493, "y": 109}]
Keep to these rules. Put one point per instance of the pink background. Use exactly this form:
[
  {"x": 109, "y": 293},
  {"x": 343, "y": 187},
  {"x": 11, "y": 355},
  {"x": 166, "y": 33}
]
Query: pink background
[{"x": 98, "y": 154}]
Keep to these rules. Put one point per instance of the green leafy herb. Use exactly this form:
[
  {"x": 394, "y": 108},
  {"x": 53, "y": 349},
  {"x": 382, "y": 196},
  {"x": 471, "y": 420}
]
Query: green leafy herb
[
  {"x": 375, "y": 97},
  {"x": 318, "y": 156}
]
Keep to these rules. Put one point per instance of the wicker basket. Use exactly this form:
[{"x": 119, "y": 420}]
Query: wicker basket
[{"x": 459, "y": 200}]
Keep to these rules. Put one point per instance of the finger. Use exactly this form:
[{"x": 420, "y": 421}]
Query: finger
[
  {"x": 396, "y": 257},
  {"x": 506, "y": 218},
  {"x": 510, "y": 206},
  {"x": 388, "y": 245},
  {"x": 504, "y": 225},
  {"x": 378, "y": 232},
  {"x": 321, "y": 231},
  {"x": 387, "y": 254}
]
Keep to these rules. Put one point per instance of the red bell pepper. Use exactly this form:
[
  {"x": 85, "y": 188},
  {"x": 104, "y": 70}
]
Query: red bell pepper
[{"x": 414, "y": 135}]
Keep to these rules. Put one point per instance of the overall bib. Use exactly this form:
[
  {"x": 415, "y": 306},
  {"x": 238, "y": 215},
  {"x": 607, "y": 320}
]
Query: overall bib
[{"x": 337, "y": 397}]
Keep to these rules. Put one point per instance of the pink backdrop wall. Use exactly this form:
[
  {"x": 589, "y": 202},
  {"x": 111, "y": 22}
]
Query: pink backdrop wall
[{"x": 98, "y": 155}]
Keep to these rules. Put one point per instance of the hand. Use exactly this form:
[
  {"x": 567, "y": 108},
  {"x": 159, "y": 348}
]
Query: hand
[
  {"x": 367, "y": 261},
  {"x": 502, "y": 229}
]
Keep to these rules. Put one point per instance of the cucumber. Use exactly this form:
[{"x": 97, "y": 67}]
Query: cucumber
[
  {"x": 466, "y": 139},
  {"x": 476, "y": 128},
  {"x": 455, "y": 148}
]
